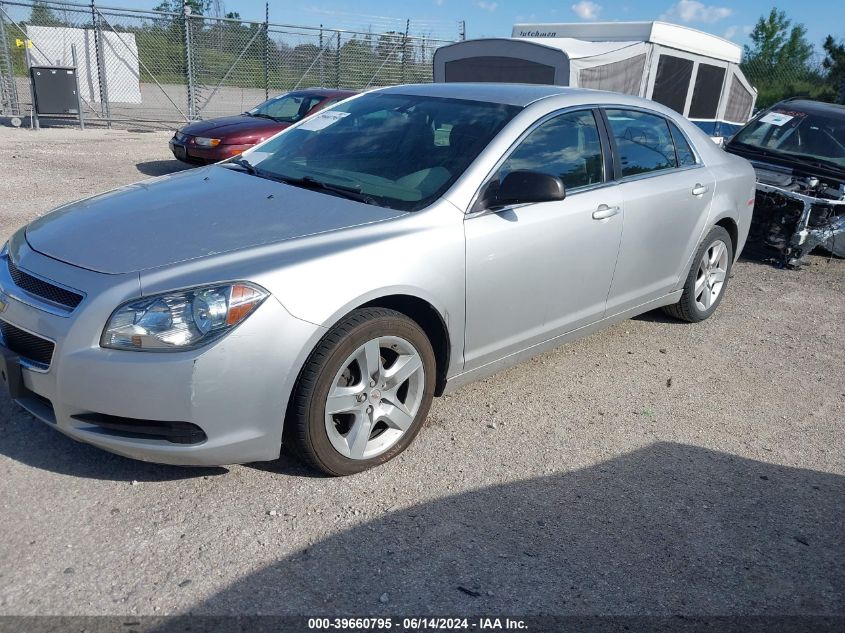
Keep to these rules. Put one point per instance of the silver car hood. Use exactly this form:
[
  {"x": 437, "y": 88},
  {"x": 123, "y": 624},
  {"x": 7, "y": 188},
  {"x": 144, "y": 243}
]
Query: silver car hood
[{"x": 188, "y": 215}]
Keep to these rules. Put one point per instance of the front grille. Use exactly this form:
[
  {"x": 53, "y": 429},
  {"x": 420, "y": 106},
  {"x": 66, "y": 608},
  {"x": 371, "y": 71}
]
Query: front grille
[
  {"x": 28, "y": 346},
  {"x": 43, "y": 289}
]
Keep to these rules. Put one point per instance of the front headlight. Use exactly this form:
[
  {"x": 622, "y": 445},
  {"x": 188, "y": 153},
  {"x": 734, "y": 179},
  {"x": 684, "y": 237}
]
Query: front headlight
[
  {"x": 183, "y": 320},
  {"x": 5, "y": 250},
  {"x": 207, "y": 142}
]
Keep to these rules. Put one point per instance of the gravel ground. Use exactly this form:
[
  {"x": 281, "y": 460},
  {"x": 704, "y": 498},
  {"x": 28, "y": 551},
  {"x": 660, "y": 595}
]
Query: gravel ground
[{"x": 654, "y": 468}]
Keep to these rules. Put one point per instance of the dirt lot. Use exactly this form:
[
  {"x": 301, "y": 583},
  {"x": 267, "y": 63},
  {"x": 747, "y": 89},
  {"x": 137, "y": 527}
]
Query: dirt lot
[{"x": 656, "y": 467}]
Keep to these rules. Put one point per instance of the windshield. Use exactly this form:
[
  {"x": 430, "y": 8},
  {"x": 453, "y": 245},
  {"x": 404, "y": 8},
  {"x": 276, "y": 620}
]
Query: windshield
[
  {"x": 394, "y": 150},
  {"x": 801, "y": 135},
  {"x": 288, "y": 108}
]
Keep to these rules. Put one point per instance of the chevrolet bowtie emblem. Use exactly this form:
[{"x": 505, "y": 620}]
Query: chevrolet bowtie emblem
[{"x": 3, "y": 303}]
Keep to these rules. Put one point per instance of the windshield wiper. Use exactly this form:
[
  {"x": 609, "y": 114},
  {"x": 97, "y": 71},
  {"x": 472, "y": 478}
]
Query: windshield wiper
[
  {"x": 352, "y": 193},
  {"x": 753, "y": 149},
  {"x": 817, "y": 162},
  {"x": 248, "y": 166},
  {"x": 261, "y": 115},
  {"x": 788, "y": 156}
]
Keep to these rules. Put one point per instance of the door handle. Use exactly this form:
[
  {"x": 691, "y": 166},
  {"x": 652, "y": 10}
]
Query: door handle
[
  {"x": 603, "y": 212},
  {"x": 699, "y": 190}
]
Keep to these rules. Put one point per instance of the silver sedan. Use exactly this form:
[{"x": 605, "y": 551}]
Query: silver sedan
[{"x": 322, "y": 288}]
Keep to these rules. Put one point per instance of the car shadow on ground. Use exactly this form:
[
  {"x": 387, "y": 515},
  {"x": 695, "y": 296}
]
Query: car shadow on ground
[
  {"x": 162, "y": 167},
  {"x": 32, "y": 442},
  {"x": 288, "y": 464},
  {"x": 658, "y": 316},
  {"x": 668, "y": 529}
]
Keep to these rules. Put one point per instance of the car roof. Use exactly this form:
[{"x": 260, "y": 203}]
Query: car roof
[
  {"x": 810, "y": 106},
  {"x": 505, "y": 94}
]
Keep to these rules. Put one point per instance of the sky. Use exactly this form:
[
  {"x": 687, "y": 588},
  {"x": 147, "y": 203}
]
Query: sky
[{"x": 494, "y": 18}]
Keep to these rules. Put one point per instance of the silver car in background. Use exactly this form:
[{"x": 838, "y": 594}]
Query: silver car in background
[{"x": 323, "y": 287}]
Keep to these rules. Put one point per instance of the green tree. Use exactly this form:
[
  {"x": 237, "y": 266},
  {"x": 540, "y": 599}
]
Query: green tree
[
  {"x": 389, "y": 44},
  {"x": 834, "y": 63},
  {"x": 197, "y": 7},
  {"x": 777, "y": 62},
  {"x": 777, "y": 43},
  {"x": 43, "y": 15}
]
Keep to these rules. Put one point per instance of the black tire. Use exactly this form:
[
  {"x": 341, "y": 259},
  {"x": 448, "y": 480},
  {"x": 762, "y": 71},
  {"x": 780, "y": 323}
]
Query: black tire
[
  {"x": 305, "y": 427},
  {"x": 686, "y": 309}
]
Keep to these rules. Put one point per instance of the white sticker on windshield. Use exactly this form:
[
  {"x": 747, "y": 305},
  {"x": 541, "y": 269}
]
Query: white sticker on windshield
[
  {"x": 322, "y": 120},
  {"x": 776, "y": 118}
]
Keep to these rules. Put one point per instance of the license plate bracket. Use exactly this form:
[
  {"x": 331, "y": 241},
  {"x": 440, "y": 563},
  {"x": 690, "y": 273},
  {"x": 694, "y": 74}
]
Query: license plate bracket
[{"x": 10, "y": 372}]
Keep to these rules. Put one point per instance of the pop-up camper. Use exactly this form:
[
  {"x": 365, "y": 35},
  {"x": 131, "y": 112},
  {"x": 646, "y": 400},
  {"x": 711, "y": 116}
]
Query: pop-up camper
[{"x": 692, "y": 72}]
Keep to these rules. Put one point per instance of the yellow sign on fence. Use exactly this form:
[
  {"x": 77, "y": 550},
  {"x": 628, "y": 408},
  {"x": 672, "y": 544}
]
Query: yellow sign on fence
[{"x": 22, "y": 43}]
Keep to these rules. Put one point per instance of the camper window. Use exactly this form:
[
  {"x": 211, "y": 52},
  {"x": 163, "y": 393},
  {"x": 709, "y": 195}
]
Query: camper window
[
  {"x": 672, "y": 82},
  {"x": 707, "y": 91}
]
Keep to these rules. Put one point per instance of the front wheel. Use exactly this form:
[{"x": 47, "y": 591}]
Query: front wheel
[
  {"x": 707, "y": 280},
  {"x": 364, "y": 392}
]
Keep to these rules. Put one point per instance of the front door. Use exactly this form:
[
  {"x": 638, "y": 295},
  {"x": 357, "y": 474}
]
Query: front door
[{"x": 538, "y": 270}]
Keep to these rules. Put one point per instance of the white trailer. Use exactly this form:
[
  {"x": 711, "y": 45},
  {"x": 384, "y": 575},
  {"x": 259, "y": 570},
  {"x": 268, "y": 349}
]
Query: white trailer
[{"x": 692, "y": 72}]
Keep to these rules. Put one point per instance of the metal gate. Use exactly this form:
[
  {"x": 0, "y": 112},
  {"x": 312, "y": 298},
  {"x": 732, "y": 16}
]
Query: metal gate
[{"x": 159, "y": 69}]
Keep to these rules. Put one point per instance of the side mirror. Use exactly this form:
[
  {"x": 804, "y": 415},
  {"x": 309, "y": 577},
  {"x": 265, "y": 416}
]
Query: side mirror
[{"x": 521, "y": 187}]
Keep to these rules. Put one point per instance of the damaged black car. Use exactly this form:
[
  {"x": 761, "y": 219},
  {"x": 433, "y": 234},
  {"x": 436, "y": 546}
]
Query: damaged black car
[{"x": 797, "y": 148}]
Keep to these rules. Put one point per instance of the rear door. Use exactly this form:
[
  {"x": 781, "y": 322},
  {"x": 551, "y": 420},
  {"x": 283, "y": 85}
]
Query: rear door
[
  {"x": 538, "y": 270},
  {"x": 666, "y": 194}
]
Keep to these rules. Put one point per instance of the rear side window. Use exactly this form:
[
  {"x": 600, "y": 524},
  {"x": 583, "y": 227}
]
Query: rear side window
[
  {"x": 643, "y": 142},
  {"x": 686, "y": 157},
  {"x": 566, "y": 146}
]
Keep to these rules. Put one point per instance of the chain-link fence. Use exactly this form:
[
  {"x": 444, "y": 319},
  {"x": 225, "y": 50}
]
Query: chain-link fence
[
  {"x": 156, "y": 68},
  {"x": 778, "y": 79}
]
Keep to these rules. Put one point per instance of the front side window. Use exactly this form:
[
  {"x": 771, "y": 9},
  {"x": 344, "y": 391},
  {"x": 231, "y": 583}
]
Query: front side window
[
  {"x": 567, "y": 147},
  {"x": 643, "y": 141},
  {"x": 399, "y": 151}
]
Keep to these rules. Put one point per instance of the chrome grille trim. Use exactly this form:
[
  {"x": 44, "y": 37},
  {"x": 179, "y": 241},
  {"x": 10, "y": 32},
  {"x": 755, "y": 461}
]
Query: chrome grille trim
[
  {"x": 37, "y": 292},
  {"x": 47, "y": 290}
]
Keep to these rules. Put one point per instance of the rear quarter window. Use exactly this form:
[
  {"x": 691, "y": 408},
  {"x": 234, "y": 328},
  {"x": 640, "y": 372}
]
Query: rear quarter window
[{"x": 686, "y": 156}]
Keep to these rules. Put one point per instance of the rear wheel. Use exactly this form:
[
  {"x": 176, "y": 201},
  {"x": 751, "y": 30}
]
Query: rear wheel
[
  {"x": 707, "y": 280},
  {"x": 363, "y": 393}
]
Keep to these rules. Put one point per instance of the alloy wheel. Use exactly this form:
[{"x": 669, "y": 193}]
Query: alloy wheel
[
  {"x": 712, "y": 274},
  {"x": 375, "y": 397}
]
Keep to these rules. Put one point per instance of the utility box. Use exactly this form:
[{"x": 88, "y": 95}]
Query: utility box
[{"x": 55, "y": 90}]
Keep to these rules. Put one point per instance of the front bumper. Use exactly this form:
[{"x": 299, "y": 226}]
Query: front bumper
[
  {"x": 187, "y": 151},
  {"x": 787, "y": 225},
  {"x": 235, "y": 390}
]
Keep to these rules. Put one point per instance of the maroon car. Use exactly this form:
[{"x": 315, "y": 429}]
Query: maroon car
[{"x": 216, "y": 139}]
